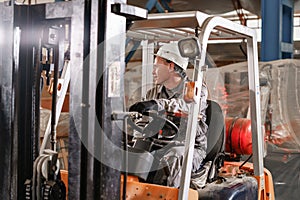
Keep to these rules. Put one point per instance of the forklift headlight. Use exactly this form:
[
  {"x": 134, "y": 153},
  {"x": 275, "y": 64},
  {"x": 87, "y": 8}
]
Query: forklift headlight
[{"x": 189, "y": 47}]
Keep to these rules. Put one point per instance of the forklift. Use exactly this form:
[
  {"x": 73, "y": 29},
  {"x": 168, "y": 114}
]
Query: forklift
[
  {"x": 97, "y": 111},
  {"x": 193, "y": 30},
  {"x": 100, "y": 163}
]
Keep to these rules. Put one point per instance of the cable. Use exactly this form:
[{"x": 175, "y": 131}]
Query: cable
[
  {"x": 245, "y": 161},
  {"x": 241, "y": 48}
]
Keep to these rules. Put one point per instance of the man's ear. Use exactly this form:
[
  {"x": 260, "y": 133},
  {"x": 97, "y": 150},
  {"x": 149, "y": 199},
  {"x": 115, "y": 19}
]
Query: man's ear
[{"x": 171, "y": 66}]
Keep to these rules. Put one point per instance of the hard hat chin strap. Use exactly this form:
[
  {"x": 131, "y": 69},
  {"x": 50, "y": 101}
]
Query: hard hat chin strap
[{"x": 179, "y": 71}]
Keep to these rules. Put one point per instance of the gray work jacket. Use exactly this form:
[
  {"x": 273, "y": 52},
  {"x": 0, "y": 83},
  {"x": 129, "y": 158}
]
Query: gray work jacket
[{"x": 172, "y": 101}]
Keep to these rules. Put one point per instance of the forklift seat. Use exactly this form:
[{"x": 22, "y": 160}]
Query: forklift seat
[{"x": 215, "y": 138}]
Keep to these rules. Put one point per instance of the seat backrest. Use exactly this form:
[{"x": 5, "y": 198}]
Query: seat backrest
[{"x": 216, "y": 130}]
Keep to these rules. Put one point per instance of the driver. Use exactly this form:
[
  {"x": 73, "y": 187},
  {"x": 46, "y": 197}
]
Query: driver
[{"x": 169, "y": 77}]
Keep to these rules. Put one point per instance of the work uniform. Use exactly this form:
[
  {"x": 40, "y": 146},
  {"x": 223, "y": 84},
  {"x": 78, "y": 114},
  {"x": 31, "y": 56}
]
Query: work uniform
[{"x": 170, "y": 161}]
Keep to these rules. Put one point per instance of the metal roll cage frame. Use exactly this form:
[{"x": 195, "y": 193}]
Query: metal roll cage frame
[{"x": 173, "y": 26}]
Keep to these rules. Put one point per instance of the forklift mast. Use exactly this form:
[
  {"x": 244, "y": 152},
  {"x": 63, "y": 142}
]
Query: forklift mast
[
  {"x": 97, "y": 69},
  {"x": 19, "y": 96}
]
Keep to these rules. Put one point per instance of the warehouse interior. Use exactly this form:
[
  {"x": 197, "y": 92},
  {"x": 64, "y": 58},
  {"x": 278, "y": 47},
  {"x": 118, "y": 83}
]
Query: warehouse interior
[{"x": 70, "y": 70}]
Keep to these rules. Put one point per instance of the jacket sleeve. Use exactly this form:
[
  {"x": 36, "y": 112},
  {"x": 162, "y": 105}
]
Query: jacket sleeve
[
  {"x": 179, "y": 105},
  {"x": 173, "y": 105}
]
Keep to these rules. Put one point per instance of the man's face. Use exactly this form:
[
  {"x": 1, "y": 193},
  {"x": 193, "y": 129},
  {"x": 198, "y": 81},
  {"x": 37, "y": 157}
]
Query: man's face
[{"x": 161, "y": 70}]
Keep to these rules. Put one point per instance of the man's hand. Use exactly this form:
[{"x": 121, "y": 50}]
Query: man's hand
[{"x": 144, "y": 106}]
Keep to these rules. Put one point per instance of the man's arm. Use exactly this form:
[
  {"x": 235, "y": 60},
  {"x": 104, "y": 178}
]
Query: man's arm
[{"x": 179, "y": 105}]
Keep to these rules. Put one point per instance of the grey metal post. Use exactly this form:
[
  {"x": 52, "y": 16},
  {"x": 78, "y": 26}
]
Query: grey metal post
[
  {"x": 147, "y": 66},
  {"x": 8, "y": 152},
  {"x": 97, "y": 68}
]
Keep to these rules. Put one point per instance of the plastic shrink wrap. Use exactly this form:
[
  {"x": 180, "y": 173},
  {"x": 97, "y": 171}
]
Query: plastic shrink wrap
[{"x": 280, "y": 98}]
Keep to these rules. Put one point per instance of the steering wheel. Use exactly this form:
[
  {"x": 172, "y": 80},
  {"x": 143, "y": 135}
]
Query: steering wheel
[{"x": 154, "y": 128}]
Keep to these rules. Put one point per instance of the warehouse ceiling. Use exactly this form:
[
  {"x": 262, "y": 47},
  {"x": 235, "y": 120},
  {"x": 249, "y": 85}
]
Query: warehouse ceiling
[
  {"x": 229, "y": 52},
  {"x": 213, "y": 6},
  {"x": 209, "y": 7}
]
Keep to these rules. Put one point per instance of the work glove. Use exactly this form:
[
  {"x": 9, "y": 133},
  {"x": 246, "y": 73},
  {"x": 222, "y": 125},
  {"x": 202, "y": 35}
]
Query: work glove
[{"x": 144, "y": 106}]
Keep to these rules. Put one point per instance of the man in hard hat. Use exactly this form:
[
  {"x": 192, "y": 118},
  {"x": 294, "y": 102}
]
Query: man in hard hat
[{"x": 169, "y": 73}]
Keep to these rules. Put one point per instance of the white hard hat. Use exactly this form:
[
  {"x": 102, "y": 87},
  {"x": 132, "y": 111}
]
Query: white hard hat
[{"x": 171, "y": 52}]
